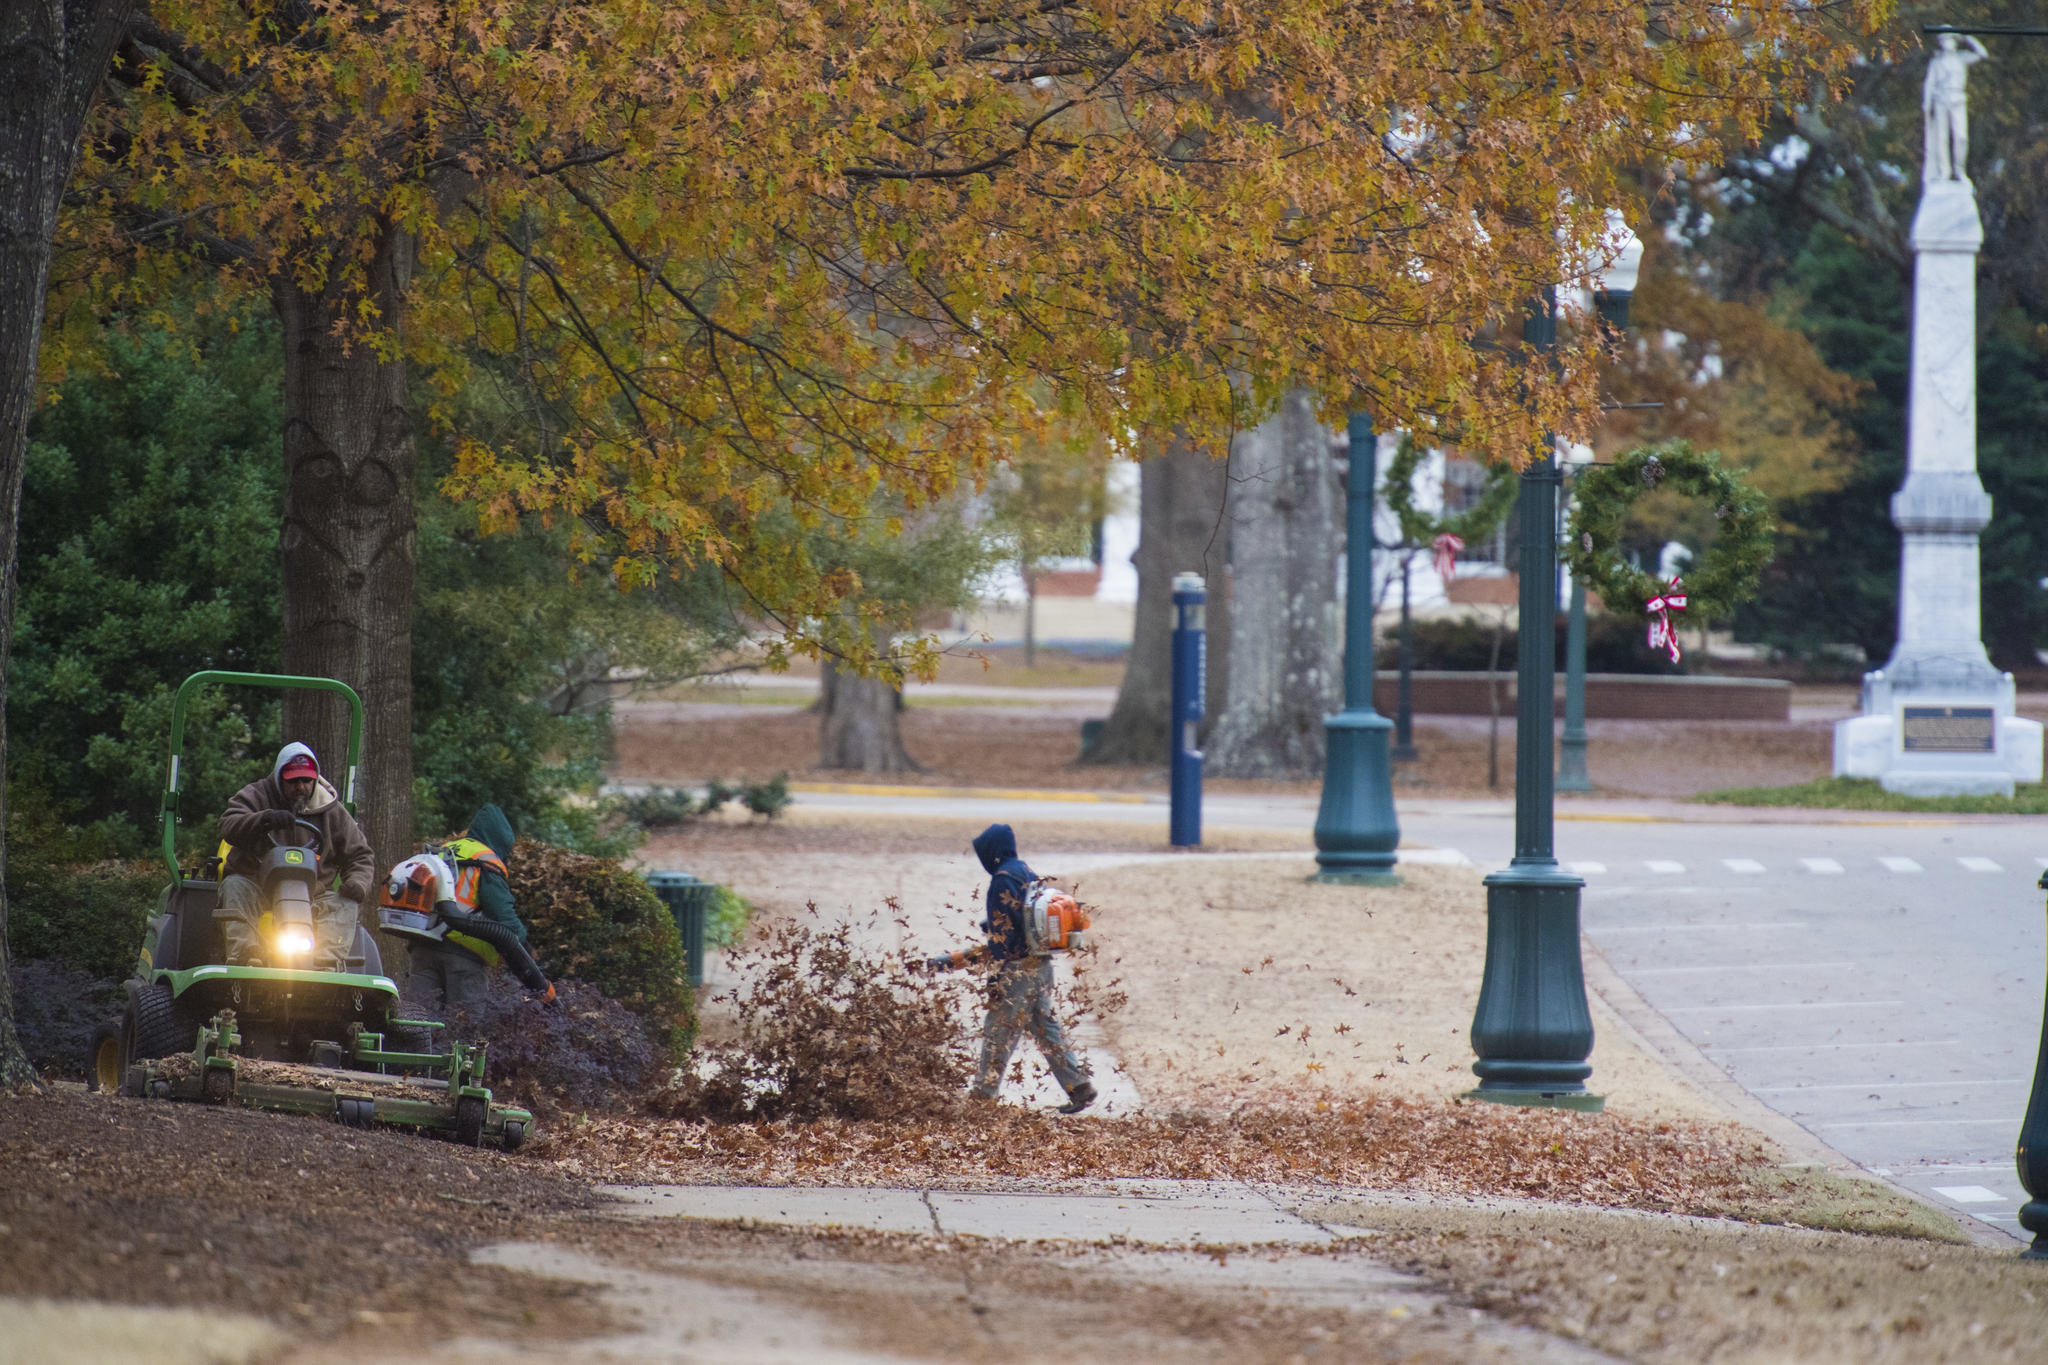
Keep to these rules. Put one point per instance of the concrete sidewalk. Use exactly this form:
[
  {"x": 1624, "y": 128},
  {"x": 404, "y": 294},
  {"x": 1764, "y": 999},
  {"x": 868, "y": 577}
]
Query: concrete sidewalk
[{"x": 1155, "y": 1212}]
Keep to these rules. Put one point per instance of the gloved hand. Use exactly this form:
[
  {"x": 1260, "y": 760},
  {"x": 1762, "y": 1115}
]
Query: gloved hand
[
  {"x": 279, "y": 819},
  {"x": 942, "y": 963}
]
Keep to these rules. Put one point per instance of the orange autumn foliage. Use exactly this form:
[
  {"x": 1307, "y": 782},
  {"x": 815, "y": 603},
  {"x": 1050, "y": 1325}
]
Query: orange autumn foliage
[{"x": 751, "y": 258}]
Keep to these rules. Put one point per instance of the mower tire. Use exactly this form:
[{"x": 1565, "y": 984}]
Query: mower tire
[
  {"x": 514, "y": 1136},
  {"x": 218, "y": 1085},
  {"x": 162, "y": 1026},
  {"x": 410, "y": 1040},
  {"x": 106, "y": 1060},
  {"x": 470, "y": 1113}
]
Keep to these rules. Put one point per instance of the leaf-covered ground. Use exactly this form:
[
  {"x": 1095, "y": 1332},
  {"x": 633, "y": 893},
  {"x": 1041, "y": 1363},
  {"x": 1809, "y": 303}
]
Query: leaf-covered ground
[{"x": 1386, "y": 1145}]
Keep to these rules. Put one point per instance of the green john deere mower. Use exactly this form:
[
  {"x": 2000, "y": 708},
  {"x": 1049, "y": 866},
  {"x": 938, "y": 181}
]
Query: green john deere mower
[{"x": 292, "y": 1038}]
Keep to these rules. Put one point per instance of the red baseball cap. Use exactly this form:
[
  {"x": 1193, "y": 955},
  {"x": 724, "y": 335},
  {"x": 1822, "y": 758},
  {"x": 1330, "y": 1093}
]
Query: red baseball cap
[{"x": 301, "y": 765}]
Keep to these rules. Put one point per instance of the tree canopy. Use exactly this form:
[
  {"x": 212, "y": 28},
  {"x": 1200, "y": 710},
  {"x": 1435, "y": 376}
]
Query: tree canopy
[{"x": 753, "y": 255}]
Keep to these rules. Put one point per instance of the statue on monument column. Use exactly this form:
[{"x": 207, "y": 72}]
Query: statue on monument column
[{"x": 1944, "y": 110}]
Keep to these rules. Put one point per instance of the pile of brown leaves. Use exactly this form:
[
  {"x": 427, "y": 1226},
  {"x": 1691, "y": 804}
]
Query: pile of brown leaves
[
  {"x": 828, "y": 1028},
  {"x": 1391, "y": 1143}
]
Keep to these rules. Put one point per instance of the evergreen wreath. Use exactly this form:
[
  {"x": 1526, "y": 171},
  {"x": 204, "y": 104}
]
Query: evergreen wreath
[
  {"x": 1727, "y": 573},
  {"x": 1471, "y": 526}
]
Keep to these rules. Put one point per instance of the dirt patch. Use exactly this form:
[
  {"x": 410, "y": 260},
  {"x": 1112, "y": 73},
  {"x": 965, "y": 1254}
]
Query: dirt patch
[
  {"x": 1249, "y": 984},
  {"x": 323, "y": 1229},
  {"x": 1658, "y": 1293},
  {"x": 814, "y": 832},
  {"x": 719, "y": 1293},
  {"x": 1027, "y": 747}
]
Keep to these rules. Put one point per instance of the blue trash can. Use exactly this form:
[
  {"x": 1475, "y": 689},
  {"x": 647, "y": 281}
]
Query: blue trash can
[{"x": 689, "y": 900}]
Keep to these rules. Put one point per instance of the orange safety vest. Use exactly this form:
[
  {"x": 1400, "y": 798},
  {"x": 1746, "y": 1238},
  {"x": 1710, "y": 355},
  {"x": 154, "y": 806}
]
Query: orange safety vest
[{"x": 471, "y": 857}]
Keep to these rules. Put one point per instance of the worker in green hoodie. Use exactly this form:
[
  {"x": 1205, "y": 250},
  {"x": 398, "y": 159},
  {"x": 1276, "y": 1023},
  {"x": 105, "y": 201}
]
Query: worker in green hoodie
[{"x": 456, "y": 970}]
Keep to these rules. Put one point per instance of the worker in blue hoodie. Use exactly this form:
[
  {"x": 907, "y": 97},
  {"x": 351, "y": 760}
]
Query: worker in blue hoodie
[
  {"x": 457, "y": 969},
  {"x": 1020, "y": 994}
]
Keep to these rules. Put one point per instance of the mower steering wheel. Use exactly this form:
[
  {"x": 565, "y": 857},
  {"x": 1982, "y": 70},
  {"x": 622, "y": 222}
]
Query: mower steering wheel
[{"x": 298, "y": 820}]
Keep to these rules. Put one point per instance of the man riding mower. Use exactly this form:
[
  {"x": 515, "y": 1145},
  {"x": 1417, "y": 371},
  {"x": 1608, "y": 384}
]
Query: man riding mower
[
  {"x": 268, "y": 965},
  {"x": 295, "y": 797}
]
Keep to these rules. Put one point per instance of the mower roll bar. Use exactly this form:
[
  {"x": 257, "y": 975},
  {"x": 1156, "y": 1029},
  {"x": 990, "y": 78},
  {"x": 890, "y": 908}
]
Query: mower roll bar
[{"x": 281, "y": 681}]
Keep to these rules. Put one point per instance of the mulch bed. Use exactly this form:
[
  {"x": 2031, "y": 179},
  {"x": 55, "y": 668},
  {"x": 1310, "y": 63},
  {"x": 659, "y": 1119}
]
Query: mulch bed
[
  {"x": 1389, "y": 1144},
  {"x": 293, "y": 1219}
]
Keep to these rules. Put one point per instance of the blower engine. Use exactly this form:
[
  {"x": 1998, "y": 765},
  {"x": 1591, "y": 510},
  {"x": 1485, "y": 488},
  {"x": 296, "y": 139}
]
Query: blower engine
[{"x": 418, "y": 902}]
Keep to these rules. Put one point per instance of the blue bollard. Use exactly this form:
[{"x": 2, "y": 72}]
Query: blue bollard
[{"x": 1190, "y": 663}]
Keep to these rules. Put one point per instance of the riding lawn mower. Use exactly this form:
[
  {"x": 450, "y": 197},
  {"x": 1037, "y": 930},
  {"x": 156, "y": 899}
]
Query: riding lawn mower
[{"x": 295, "y": 1037}]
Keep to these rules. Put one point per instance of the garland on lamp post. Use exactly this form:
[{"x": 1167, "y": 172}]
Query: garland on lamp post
[
  {"x": 1443, "y": 535},
  {"x": 1726, "y": 574}
]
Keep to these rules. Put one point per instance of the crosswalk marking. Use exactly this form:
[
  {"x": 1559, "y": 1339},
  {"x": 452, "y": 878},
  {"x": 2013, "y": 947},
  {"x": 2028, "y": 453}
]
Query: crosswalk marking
[
  {"x": 1971, "y": 1194},
  {"x": 1826, "y": 867}
]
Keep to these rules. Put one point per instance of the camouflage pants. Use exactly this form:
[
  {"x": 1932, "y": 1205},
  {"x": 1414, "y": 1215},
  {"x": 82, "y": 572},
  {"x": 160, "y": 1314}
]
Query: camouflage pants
[{"x": 1020, "y": 999}]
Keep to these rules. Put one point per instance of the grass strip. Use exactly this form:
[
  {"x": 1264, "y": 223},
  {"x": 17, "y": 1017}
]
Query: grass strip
[{"x": 1865, "y": 793}]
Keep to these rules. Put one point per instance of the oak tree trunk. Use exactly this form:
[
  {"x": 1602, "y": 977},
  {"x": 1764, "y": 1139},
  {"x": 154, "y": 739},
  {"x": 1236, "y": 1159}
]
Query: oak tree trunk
[
  {"x": 860, "y": 724},
  {"x": 349, "y": 543},
  {"x": 1286, "y": 673},
  {"x": 1181, "y": 529},
  {"x": 52, "y": 55}
]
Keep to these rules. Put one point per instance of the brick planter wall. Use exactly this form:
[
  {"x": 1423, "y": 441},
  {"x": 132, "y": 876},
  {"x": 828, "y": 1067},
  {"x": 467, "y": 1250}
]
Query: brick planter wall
[{"x": 1609, "y": 696}]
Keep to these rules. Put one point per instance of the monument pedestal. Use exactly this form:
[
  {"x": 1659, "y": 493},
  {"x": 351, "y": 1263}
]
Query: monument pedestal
[
  {"x": 1938, "y": 718},
  {"x": 1939, "y": 743}
]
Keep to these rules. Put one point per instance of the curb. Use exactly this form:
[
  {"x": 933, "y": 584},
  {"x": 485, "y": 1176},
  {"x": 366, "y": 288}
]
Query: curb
[{"x": 975, "y": 793}]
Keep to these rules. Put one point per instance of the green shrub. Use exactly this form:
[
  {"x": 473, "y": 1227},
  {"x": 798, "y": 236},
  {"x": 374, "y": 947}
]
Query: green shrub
[
  {"x": 661, "y": 808},
  {"x": 726, "y": 919},
  {"x": 68, "y": 901},
  {"x": 596, "y": 921}
]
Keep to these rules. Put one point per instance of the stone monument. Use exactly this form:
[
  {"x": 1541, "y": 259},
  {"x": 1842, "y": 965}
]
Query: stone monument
[{"x": 1938, "y": 718}]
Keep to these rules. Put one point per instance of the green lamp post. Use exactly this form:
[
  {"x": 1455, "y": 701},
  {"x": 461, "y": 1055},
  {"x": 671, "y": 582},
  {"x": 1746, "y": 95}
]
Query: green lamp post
[
  {"x": 2030, "y": 1153},
  {"x": 1356, "y": 832},
  {"x": 1617, "y": 284},
  {"x": 1532, "y": 1030}
]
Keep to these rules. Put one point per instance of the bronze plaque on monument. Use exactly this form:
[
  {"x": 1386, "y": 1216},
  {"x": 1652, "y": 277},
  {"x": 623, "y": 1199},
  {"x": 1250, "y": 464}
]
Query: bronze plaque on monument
[{"x": 1950, "y": 730}]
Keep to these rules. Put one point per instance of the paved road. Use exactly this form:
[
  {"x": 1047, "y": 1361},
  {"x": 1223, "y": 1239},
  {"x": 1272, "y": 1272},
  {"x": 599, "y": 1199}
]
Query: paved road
[{"x": 1880, "y": 984}]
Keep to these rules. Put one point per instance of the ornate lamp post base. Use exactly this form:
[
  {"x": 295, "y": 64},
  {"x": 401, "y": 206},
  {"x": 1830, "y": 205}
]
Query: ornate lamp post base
[
  {"x": 1532, "y": 1030},
  {"x": 1356, "y": 832}
]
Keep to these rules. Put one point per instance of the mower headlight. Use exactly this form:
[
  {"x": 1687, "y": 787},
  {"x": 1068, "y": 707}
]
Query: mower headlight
[{"x": 295, "y": 922}]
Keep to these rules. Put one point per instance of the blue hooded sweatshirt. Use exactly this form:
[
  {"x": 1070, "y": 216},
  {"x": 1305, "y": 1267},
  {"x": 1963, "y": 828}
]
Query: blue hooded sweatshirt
[{"x": 1009, "y": 886}]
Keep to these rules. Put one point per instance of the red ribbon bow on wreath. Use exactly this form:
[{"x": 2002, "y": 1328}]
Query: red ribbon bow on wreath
[
  {"x": 1662, "y": 632},
  {"x": 1446, "y": 560}
]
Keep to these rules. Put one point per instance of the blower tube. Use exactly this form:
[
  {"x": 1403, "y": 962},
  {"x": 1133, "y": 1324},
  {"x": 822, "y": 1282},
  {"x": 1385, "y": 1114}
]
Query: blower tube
[{"x": 505, "y": 941}]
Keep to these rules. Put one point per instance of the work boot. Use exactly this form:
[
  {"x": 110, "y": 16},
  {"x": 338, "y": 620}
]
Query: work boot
[{"x": 1079, "y": 1098}]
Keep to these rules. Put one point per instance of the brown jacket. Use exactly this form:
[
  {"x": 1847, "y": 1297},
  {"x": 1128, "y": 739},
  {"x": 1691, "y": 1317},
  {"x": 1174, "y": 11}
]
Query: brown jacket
[{"x": 343, "y": 849}]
